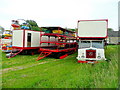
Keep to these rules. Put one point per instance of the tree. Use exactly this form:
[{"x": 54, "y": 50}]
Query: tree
[
  {"x": 33, "y": 25},
  {"x": 110, "y": 29},
  {"x": 1, "y": 29},
  {"x": 71, "y": 29}
]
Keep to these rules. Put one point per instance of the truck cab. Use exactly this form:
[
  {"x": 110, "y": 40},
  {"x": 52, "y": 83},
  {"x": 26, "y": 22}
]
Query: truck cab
[
  {"x": 91, "y": 35},
  {"x": 91, "y": 50}
]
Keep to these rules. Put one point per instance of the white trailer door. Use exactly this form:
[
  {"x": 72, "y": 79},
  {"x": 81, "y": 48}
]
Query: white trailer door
[{"x": 35, "y": 39}]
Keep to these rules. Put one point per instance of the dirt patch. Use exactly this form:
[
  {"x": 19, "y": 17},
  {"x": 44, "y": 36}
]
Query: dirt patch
[{"x": 21, "y": 67}]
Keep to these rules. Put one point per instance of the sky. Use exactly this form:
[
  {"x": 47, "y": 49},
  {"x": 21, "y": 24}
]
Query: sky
[{"x": 63, "y": 13}]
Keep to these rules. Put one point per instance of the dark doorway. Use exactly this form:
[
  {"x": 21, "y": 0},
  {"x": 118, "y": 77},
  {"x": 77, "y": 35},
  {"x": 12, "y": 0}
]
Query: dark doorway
[{"x": 29, "y": 40}]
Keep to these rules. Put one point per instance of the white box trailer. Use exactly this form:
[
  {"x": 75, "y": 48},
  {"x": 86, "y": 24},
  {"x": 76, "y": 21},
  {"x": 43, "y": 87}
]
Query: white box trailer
[
  {"x": 92, "y": 28},
  {"x": 26, "y": 39},
  {"x": 91, "y": 34}
]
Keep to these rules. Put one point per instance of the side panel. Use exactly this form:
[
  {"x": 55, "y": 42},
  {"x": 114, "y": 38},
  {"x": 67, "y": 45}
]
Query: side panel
[
  {"x": 100, "y": 52},
  {"x": 81, "y": 52},
  {"x": 6, "y": 41},
  {"x": 35, "y": 41},
  {"x": 17, "y": 39},
  {"x": 92, "y": 28},
  {"x": 44, "y": 38},
  {"x": 71, "y": 41},
  {"x": 52, "y": 39}
]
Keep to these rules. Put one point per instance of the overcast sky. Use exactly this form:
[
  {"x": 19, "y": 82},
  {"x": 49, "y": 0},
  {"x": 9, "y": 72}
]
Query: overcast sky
[{"x": 64, "y": 13}]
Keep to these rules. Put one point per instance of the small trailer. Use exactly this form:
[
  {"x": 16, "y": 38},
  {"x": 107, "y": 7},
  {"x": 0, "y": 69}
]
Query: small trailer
[
  {"x": 25, "y": 41},
  {"x": 92, "y": 35},
  {"x": 59, "y": 43}
]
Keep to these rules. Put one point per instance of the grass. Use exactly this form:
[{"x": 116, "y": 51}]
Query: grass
[{"x": 23, "y": 71}]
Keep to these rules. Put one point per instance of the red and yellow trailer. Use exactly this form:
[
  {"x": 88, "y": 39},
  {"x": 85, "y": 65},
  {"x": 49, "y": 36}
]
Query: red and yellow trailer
[{"x": 58, "y": 44}]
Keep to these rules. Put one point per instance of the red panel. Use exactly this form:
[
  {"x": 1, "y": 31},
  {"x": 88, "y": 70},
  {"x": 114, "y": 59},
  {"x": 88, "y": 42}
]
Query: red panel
[
  {"x": 7, "y": 38},
  {"x": 82, "y": 61},
  {"x": 48, "y": 46},
  {"x": 57, "y": 50},
  {"x": 90, "y": 53},
  {"x": 23, "y": 38},
  {"x": 57, "y": 43},
  {"x": 4, "y": 48},
  {"x": 79, "y": 61},
  {"x": 25, "y": 48},
  {"x": 14, "y": 25},
  {"x": 58, "y": 35}
]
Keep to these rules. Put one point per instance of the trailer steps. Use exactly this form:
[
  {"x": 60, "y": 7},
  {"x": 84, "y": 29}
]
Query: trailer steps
[
  {"x": 65, "y": 55},
  {"x": 43, "y": 55},
  {"x": 11, "y": 54}
]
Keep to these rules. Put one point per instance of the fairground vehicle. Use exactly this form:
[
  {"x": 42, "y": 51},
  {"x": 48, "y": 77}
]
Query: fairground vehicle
[
  {"x": 58, "y": 42},
  {"x": 91, "y": 34},
  {"x": 6, "y": 45},
  {"x": 54, "y": 41},
  {"x": 24, "y": 40},
  {"x": 6, "y": 41},
  {"x": 7, "y": 33}
]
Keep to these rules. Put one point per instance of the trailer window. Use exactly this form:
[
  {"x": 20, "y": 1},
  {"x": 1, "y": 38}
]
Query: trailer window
[
  {"x": 97, "y": 44},
  {"x": 84, "y": 44}
]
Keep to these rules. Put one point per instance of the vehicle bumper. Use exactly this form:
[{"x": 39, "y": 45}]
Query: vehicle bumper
[{"x": 89, "y": 60}]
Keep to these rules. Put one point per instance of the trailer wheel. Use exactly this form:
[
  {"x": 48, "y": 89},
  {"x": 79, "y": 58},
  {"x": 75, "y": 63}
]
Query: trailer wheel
[
  {"x": 57, "y": 56},
  {"x": 24, "y": 52},
  {"x": 32, "y": 53}
]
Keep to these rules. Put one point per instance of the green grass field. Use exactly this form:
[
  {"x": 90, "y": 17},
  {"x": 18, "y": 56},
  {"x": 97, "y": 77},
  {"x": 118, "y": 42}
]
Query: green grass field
[{"x": 23, "y": 71}]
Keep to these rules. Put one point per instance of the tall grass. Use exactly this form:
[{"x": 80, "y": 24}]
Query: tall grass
[{"x": 23, "y": 71}]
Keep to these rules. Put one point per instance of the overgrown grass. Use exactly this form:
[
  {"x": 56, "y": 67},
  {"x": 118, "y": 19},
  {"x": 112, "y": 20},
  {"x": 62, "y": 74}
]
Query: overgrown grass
[{"x": 23, "y": 71}]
